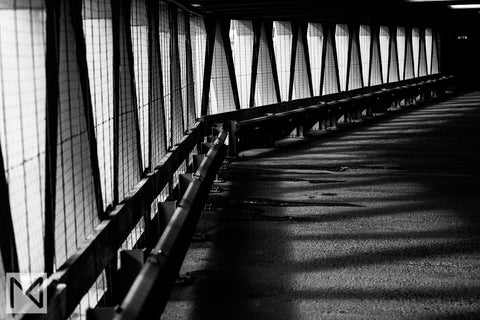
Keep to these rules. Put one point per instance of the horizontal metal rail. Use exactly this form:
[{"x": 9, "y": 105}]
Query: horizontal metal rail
[
  {"x": 150, "y": 291},
  {"x": 245, "y": 114},
  {"x": 71, "y": 282},
  {"x": 306, "y": 117}
]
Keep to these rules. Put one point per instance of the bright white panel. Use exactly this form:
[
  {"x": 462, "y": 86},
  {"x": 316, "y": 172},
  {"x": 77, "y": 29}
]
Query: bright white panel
[
  {"x": 384, "y": 45},
  {"x": 341, "y": 42},
  {"x": 23, "y": 125},
  {"x": 301, "y": 85},
  {"x": 428, "y": 46},
  {"x": 282, "y": 45},
  {"x": 241, "y": 39},
  {"x": 416, "y": 50},
  {"x": 315, "y": 51},
  {"x": 365, "y": 45}
]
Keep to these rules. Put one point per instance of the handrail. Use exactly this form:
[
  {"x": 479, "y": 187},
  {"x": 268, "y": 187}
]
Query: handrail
[
  {"x": 149, "y": 293},
  {"x": 74, "y": 278},
  {"x": 245, "y": 114},
  {"x": 245, "y": 123}
]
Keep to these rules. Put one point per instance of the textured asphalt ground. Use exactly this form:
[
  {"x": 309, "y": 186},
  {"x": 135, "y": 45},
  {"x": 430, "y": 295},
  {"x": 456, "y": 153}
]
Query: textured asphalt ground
[{"x": 377, "y": 220}]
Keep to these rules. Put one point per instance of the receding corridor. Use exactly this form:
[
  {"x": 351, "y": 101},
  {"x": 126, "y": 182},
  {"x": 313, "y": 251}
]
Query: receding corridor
[{"x": 378, "y": 220}]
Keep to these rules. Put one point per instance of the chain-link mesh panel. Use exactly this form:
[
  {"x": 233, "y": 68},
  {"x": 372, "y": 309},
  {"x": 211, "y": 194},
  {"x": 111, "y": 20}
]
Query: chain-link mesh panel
[
  {"x": 409, "y": 63},
  {"x": 198, "y": 36},
  {"x": 265, "y": 84},
  {"x": 301, "y": 84},
  {"x": 241, "y": 39},
  {"x": 330, "y": 76},
  {"x": 375, "y": 63},
  {"x": 97, "y": 29},
  {"x": 416, "y": 50},
  {"x": 139, "y": 32},
  {"x": 341, "y": 42},
  {"x": 384, "y": 41},
  {"x": 401, "y": 45},
  {"x": 221, "y": 93},
  {"x": 393, "y": 60},
  {"x": 282, "y": 45},
  {"x": 355, "y": 74},
  {"x": 365, "y": 46},
  {"x": 23, "y": 126},
  {"x": 76, "y": 214},
  {"x": 315, "y": 51}
]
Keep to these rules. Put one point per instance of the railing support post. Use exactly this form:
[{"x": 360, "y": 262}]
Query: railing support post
[{"x": 232, "y": 139}]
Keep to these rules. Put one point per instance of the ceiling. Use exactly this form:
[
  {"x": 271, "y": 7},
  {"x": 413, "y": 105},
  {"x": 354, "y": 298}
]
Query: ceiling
[{"x": 389, "y": 12}]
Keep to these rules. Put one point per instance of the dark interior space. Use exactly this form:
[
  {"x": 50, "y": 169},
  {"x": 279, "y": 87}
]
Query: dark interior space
[{"x": 462, "y": 52}]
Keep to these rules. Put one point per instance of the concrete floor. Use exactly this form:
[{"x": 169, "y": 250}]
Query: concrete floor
[{"x": 379, "y": 220}]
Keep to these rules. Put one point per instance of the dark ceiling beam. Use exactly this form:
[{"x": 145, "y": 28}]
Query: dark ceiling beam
[{"x": 388, "y": 12}]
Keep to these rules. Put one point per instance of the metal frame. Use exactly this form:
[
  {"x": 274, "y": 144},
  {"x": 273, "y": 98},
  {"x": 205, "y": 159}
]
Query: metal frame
[
  {"x": 375, "y": 39},
  {"x": 409, "y": 44},
  {"x": 329, "y": 33},
  {"x": 191, "y": 110},
  {"x": 81, "y": 270},
  {"x": 116, "y": 94},
  {"x": 349, "y": 56},
  {"x": 246, "y": 124},
  {"x": 210, "y": 26},
  {"x": 8, "y": 247},
  {"x": 224, "y": 30},
  {"x": 421, "y": 46},
  {"x": 175, "y": 74},
  {"x": 257, "y": 32},
  {"x": 126, "y": 9},
  {"x": 269, "y": 35},
  {"x": 334, "y": 46},
  {"x": 75, "y": 11},
  {"x": 357, "y": 40},
  {"x": 72, "y": 281},
  {"x": 324, "y": 56},
  {"x": 293, "y": 58},
  {"x": 260, "y": 111},
  {"x": 52, "y": 8},
  {"x": 304, "y": 28},
  {"x": 393, "y": 37},
  {"x": 149, "y": 293},
  {"x": 155, "y": 74},
  {"x": 404, "y": 54}
]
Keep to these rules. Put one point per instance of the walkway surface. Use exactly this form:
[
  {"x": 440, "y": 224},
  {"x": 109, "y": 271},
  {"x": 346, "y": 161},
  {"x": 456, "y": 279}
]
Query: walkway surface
[{"x": 380, "y": 220}]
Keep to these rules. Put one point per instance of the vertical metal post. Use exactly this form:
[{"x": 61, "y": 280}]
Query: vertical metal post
[
  {"x": 349, "y": 55},
  {"x": 269, "y": 36},
  {"x": 76, "y": 9},
  {"x": 129, "y": 48},
  {"x": 210, "y": 29},
  {"x": 304, "y": 28},
  {"x": 116, "y": 95},
  {"x": 51, "y": 130},
  {"x": 191, "y": 110},
  {"x": 257, "y": 30},
  {"x": 224, "y": 30},
  {"x": 324, "y": 54},
  {"x": 293, "y": 59},
  {"x": 334, "y": 48},
  {"x": 233, "y": 140}
]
